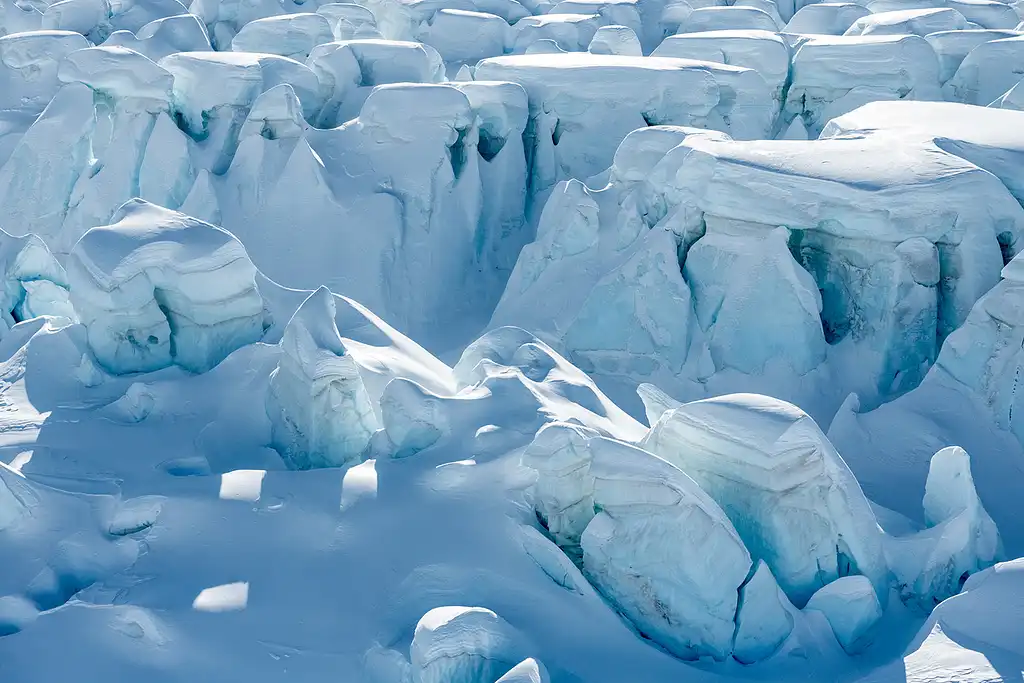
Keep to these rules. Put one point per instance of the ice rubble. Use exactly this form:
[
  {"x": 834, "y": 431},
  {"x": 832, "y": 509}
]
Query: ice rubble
[
  {"x": 464, "y": 645},
  {"x": 156, "y": 288},
  {"x": 851, "y": 607},
  {"x": 961, "y": 540},
  {"x": 788, "y": 492},
  {"x": 318, "y": 406}
]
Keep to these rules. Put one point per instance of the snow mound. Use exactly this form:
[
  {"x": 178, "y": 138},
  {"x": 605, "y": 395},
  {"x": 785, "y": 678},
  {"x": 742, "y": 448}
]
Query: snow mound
[
  {"x": 318, "y": 406},
  {"x": 786, "y": 489},
  {"x": 120, "y": 74},
  {"x": 851, "y": 607},
  {"x": 158, "y": 288},
  {"x": 464, "y": 645}
]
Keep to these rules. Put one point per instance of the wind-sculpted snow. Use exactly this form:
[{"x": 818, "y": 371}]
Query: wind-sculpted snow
[
  {"x": 288, "y": 35},
  {"x": 829, "y": 19},
  {"x": 157, "y": 288},
  {"x": 162, "y": 37},
  {"x": 791, "y": 497},
  {"x": 918, "y": 22}
]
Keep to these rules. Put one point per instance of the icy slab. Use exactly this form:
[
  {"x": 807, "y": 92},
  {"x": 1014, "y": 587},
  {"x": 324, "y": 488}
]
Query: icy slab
[
  {"x": 656, "y": 402},
  {"x": 28, "y": 67},
  {"x": 728, "y": 309},
  {"x": 986, "y": 73},
  {"x": 615, "y": 40},
  {"x": 833, "y": 75},
  {"x": 349, "y": 21},
  {"x": 158, "y": 288},
  {"x": 763, "y": 620},
  {"x": 763, "y": 51},
  {"x": 400, "y": 19},
  {"x": 554, "y": 33},
  {"x": 654, "y": 517},
  {"x": 214, "y": 90},
  {"x": 951, "y": 47},
  {"x": 225, "y": 18},
  {"x": 162, "y": 37},
  {"x": 919, "y": 22},
  {"x": 792, "y": 498},
  {"x": 47, "y": 161},
  {"x": 961, "y": 540},
  {"x": 851, "y": 608},
  {"x": 659, "y": 90},
  {"x": 120, "y": 74},
  {"x": 288, "y": 35},
  {"x": 464, "y": 37},
  {"x": 463, "y": 645},
  {"x": 34, "y": 283},
  {"x": 826, "y": 18},
  {"x": 349, "y": 70},
  {"x": 734, "y": 17},
  {"x": 987, "y": 137},
  {"x": 319, "y": 409},
  {"x": 527, "y": 671},
  {"x": 1013, "y": 99},
  {"x": 983, "y": 13},
  {"x": 17, "y": 17},
  {"x": 613, "y": 12}
]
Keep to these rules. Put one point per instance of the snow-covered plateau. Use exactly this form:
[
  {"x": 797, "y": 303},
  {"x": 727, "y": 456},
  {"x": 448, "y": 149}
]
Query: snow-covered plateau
[{"x": 511, "y": 341}]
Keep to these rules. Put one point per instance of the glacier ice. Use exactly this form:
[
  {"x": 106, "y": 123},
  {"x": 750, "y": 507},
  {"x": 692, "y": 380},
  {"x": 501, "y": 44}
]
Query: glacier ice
[
  {"x": 826, "y": 18},
  {"x": 349, "y": 21},
  {"x": 919, "y": 22},
  {"x": 788, "y": 492},
  {"x": 288, "y": 35},
  {"x": 733, "y": 17},
  {"x": 464, "y": 645},
  {"x": 529, "y": 670},
  {"x": 986, "y": 72},
  {"x": 615, "y": 40},
  {"x": 663, "y": 552},
  {"x": 564, "y": 492},
  {"x": 156, "y": 288},
  {"x": 164, "y": 36},
  {"x": 951, "y": 47},
  {"x": 851, "y": 607},
  {"x": 318, "y": 406},
  {"x": 764, "y": 618},
  {"x": 961, "y": 538},
  {"x": 824, "y": 86}
]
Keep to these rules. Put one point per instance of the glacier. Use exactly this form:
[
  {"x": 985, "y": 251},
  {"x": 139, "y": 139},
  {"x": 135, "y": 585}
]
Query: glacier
[{"x": 483, "y": 341}]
